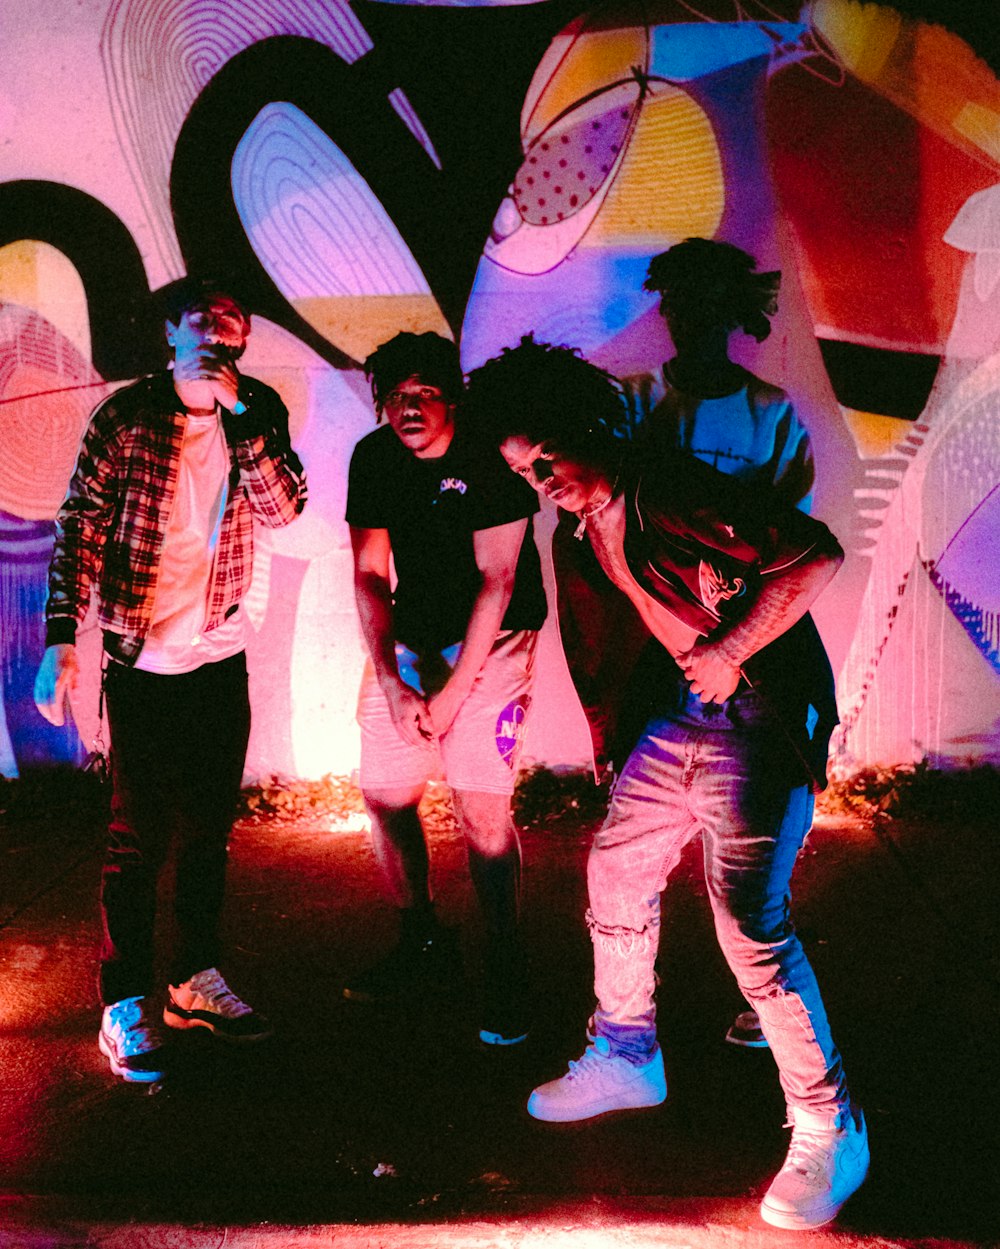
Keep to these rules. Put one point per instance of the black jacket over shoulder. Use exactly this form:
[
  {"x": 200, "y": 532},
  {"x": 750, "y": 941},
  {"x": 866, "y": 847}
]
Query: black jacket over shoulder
[{"x": 701, "y": 544}]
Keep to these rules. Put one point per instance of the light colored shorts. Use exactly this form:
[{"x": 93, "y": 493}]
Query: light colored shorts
[{"x": 482, "y": 748}]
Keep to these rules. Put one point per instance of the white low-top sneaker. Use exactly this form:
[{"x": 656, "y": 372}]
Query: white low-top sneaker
[
  {"x": 131, "y": 1041},
  {"x": 206, "y": 1001},
  {"x": 598, "y": 1082},
  {"x": 824, "y": 1166}
]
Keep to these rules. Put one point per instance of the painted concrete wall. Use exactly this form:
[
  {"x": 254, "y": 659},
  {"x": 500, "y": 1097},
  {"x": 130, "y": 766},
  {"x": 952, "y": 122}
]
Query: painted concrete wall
[{"x": 363, "y": 169}]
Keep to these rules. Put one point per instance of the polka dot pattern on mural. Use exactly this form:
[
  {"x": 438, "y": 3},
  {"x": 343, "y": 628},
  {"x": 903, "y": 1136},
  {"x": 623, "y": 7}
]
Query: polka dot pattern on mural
[{"x": 569, "y": 163}]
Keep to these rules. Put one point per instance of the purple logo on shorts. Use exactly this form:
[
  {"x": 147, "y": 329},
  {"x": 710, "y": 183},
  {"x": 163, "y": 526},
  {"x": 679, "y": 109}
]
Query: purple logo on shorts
[{"x": 509, "y": 727}]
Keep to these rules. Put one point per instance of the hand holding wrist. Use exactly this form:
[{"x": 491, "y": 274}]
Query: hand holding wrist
[{"x": 729, "y": 650}]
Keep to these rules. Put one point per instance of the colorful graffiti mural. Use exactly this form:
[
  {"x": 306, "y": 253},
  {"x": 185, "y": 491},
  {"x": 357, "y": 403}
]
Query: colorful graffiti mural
[{"x": 519, "y": 178}]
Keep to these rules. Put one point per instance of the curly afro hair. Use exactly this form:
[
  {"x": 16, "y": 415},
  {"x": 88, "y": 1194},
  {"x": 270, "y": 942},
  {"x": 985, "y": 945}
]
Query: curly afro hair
[
  {"x": 433, "y": 358},
  {"x": 714, "y": 284},
  {"x": 544, "y": 393}
]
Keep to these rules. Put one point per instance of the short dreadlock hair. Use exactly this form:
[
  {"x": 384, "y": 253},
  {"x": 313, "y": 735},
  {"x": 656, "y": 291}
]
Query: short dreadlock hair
[
  {"x": 716, "y": 283},
  {"x": 544, "y": 393},
  {"x": 433, "y": 358}
]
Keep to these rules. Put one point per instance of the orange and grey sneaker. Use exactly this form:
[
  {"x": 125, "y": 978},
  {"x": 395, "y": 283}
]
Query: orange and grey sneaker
[
  {"x": 206, "y": 1001},
  {"x": 131, "y": 1041}
]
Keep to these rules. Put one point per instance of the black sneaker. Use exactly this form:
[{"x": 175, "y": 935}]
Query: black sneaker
[
  {"x": 411, "y": 968},
  {"x": 746, "y": 1031},
  {"x": 505, "y": 1023},
  {"x": 505, "y": 1000}
]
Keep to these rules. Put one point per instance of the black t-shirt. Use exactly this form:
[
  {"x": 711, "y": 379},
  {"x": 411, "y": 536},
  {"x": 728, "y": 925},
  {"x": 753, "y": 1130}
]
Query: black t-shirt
[{"x": 431, "y": 509}]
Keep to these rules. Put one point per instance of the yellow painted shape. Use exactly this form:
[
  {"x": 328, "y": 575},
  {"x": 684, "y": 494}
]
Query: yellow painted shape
[
  {"x": 670, "y": 184},
  {"x": 927, "y": 71},
  {"x": 875, "y": 437},
  {"x": 594, "y": 59},
  {"x": 863, "y": 35},
  {"x": 38, "y": 276},
  {"x": 981, "y": 126},
  {"x": 357, "y": 324}
]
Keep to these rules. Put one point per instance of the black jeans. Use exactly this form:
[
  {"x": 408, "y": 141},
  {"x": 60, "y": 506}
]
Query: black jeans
[{"x": 178, "y": 745}]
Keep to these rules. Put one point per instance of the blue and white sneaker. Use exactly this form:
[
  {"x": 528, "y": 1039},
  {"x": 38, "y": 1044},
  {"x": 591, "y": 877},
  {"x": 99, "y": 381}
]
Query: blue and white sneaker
[
  {"x": 131, "y": 1041},
  {"x": 826, "y": 1163},
  {"x": 206, "y": 1001}
]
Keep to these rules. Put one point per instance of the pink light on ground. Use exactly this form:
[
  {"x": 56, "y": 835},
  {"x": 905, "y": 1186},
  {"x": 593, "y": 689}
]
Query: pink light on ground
[{"x": 527, "y": 1223}]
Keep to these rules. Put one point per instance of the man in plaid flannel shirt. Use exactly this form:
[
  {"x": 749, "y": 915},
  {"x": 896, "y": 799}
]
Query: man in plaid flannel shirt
[{"x": 158, "y": 524}]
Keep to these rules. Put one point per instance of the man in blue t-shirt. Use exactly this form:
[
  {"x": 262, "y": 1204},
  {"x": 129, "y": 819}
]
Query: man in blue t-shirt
[{"x": 451, "y": 645}]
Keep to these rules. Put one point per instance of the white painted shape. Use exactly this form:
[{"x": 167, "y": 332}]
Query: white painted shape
[{"x": 312, "y": 219}]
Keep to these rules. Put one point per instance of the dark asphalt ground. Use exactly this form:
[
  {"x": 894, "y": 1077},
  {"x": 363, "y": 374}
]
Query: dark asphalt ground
[{"x": 354, "y": 1117}]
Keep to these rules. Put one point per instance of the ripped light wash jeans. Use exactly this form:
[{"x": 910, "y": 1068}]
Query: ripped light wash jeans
[{"x": 722, "y": 772}]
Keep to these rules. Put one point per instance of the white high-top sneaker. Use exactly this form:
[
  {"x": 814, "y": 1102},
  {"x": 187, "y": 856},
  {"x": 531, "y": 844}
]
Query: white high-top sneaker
[{"x": 824, "y": 1166}]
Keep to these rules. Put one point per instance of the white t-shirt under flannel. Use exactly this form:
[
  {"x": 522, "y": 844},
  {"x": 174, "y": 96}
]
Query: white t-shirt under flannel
[{"x": 177, "y": 641}]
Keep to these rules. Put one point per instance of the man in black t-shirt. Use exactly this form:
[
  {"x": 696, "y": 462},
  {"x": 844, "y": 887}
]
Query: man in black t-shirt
[{"x": 451, "y": 648}]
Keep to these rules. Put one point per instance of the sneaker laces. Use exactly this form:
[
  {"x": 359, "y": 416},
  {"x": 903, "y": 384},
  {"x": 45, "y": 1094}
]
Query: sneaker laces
[
  {"x": 592, "y": 1062},
  {"x": 220, "y": 998},
  {"x": 811, "y": 1152}
]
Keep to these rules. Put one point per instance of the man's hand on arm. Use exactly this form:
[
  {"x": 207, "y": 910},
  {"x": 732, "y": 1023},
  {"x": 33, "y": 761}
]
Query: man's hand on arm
[
  {"x": 57, "y": 677},
  {"x": 713, "y": 675},
  {"x": 714, "y": 666},
  {"x": 496, "y": 551}
]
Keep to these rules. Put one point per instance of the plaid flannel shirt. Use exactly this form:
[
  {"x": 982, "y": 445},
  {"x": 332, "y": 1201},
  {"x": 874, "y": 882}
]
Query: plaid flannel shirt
[{"x": 110, "y": 528}]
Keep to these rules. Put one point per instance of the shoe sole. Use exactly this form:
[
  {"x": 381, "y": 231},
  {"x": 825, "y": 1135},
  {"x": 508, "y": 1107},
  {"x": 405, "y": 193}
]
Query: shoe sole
[
  {"x": 557, "y": 1115},
  {"x": 410, "y": 993},
  {"x": 497, "y": 1038},
  {"x": 126, "y": 1073},
  {"x": 370, "y": 999},
  {"x": 184, "y": 1022},
  {"x": 762, "y": 1044},
  {"x": 796, "y": 1223}
]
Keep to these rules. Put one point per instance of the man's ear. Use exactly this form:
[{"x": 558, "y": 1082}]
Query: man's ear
[{"x": 171, "y": 330}]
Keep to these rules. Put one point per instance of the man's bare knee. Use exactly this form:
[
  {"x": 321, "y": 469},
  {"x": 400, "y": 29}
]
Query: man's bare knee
[
  {"x": 385, "y": 803},
  {"x": 485, "y": 821}
]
